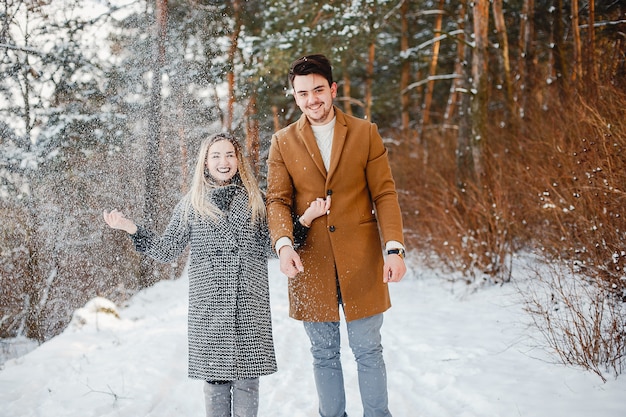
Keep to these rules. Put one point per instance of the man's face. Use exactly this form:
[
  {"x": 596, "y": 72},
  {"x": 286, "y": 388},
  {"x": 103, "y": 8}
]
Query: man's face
[{"x": 315, "y": 97}]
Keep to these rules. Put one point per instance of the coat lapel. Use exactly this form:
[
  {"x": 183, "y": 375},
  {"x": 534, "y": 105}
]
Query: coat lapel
[
  {"x": 339, "y": 139},
  {"x": 306, "y": 133}
]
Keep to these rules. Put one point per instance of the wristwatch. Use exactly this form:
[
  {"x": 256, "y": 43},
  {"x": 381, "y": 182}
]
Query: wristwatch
[{"x": 396, "y": 251}]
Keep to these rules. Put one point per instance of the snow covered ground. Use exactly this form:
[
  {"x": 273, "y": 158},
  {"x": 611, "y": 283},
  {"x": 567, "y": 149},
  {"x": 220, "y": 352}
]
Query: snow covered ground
[{"x": 450, "y": 353}]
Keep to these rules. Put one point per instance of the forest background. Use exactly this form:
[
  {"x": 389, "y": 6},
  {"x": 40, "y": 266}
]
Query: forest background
[{"x": 505, "y": 123}]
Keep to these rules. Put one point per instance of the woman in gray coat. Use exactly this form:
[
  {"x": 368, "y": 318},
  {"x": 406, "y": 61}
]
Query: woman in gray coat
[{"x": 223, "y": 220}]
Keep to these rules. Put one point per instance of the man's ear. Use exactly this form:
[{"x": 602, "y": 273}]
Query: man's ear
[{"x": 333, "y": 89}]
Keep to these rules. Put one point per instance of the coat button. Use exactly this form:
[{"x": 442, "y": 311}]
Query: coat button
[
  {"x": 329, "y": 192},
  {"x": 331, "y": 228}
]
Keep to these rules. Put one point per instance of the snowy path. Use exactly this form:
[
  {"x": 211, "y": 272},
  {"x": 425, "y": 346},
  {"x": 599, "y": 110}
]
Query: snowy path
[{"x": 448, "y": 354}]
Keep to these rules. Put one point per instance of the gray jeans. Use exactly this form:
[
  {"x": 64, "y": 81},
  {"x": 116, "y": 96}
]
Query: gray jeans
[
  {"x": 232, "y": 398},
  {"x": 365, "y": 341}
]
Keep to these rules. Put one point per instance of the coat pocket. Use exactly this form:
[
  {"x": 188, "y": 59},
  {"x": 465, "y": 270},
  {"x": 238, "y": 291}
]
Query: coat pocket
[
  {"x": 202, "y": 286},
  {"x": 257, "y": 285}
]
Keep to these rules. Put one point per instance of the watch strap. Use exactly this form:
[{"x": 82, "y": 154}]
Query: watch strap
[{"x": 396, "y": 251}]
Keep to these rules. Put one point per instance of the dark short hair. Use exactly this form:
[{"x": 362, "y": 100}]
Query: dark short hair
[{"x": 311, "y": 64}]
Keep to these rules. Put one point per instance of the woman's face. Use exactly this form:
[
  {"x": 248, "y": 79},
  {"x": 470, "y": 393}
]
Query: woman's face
[{"x": 222, "y": 161}]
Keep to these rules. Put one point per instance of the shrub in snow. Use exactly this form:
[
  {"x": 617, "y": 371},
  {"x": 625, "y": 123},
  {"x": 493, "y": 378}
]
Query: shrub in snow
[{"x": 94, "y": 311}]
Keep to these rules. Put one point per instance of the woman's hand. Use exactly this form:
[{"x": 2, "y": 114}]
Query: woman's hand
[
  {"x": 116, "y": 220},
  {"x": 317, "y": 208}
]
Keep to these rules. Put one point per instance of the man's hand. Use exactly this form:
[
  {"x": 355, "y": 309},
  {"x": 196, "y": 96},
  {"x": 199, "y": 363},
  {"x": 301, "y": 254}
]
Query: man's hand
[
  {"x": 290, "y": 263},
  {"x": 394, "y": 268}
]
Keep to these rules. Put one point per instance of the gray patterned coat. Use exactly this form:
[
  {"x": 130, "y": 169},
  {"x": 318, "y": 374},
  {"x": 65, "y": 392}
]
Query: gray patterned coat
[{"x": 230, "y": 332}]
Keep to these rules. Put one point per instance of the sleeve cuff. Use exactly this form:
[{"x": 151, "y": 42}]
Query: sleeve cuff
[
  {"x": 393, "y": 244},
  {"x": 283, "y": 241},
  {"x": 141, "y": 239}
]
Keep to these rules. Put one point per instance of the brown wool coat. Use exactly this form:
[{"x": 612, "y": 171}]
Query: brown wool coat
[{"x": 346, "y": 243}]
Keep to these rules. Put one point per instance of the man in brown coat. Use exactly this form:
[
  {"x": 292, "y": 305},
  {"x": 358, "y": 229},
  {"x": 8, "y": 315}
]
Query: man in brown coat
[{"x": 327, "y": 153}]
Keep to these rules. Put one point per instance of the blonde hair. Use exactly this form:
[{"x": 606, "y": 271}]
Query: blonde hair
[{"x": 202, "y": 183}]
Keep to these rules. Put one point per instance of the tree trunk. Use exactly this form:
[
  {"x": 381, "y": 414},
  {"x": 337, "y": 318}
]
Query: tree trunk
[
  {"x": 526, "y": 53},
  {"x": 276, "y": 118},
  {"x": 369, "y": 79},
  {"x": 480, "y": 84},
  {"x": 347, "y": 98},
  {"x": 432, "y": 70},
  {"x": 252, "y": 135},
  {"x": 464, "y": 163},
  {"x": 153, "y": 164},
  {"x": 33, "y": 281},
  {"x": 184, "y": 180},
  {"x": 459, "y": 68},
  {"x": 577, "y": 73},
  {"x": 503, "y": 39},
  {"x": 591, "y": 46},
  {"x": 234, "y": 41},
  {"x": 558, "y": 51},
  {"x": 405, "y": 68}
]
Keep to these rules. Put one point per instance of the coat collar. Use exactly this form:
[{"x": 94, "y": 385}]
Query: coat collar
[{"x": 339, "y": 139}]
